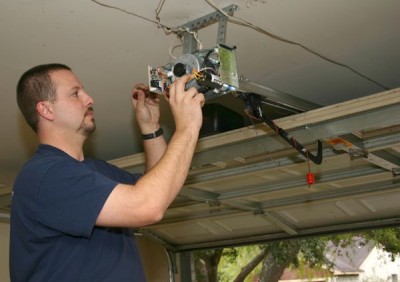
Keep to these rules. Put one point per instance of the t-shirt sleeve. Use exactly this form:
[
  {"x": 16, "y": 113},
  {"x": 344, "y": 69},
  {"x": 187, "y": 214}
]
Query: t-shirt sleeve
[
  {"x": 116, "y": 173},
  {"x": 71, "y": 198}
]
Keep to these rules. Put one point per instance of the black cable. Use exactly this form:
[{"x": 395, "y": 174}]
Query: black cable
[
  {"x": 253, "y": 103},
  {"x": 206, "y": 58}
]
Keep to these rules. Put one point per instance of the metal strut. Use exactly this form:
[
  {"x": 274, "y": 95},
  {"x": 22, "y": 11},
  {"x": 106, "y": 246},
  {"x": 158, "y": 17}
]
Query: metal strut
[{"x": 253, "y": 102}]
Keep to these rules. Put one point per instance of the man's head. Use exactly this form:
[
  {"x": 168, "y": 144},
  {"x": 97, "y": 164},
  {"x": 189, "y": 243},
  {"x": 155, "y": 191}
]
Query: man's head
[
  {"x": 34, "y": 86},
  {"x": 52, "y": 93}
]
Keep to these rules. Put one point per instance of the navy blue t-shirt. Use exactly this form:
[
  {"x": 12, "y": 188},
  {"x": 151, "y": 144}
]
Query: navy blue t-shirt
[{"x": 55, "y": 203}]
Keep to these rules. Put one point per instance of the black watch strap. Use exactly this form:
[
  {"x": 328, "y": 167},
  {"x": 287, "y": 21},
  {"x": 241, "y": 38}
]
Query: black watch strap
[{"x": 152, "y": 135}]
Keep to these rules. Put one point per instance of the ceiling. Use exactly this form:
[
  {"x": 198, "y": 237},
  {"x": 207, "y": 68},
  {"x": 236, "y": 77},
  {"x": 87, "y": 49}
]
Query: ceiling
[{"x": 313, "y": 53}]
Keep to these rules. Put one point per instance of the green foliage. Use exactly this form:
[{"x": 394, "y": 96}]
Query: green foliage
[
  {"x": 282, "y": 250},
  {"x": 312, "y": 251},
  {"x": 234, "y": 259},
  {"x": 388, "y": 239},
  {"x": 230, "y": 254},
  {"x": 300, "y": 253}
]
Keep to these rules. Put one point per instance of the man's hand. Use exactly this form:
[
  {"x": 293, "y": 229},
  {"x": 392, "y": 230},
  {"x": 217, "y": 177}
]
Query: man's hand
[
  {"x": 186, "y": 105},
  {"x": 146, "y": 105}
]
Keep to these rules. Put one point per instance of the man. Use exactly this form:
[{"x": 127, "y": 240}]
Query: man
[{"x": 71, "y": 216}]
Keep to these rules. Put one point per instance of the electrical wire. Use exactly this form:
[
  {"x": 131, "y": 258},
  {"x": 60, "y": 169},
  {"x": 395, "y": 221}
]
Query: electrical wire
[
  {"x": 125, "y": 11},
  {"x": 167, "y": 30},
  {"x": 172, "y": 48},
  {"x": 158, "y": 10},
  {"x": 185, "y": 29},
  {"x": 238, "y": 21},
  {"x": 242, "y": 22}
]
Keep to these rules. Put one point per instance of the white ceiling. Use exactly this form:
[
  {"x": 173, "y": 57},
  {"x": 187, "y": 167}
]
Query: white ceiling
[{"x": 354, "y": 53}]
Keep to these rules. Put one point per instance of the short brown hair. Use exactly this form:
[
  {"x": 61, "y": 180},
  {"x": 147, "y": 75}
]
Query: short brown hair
[{"x": 34, "y": 86}]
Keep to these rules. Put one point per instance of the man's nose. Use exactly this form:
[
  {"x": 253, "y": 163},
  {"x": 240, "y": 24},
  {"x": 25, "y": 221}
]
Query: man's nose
[{"x": 88, "y": 99}]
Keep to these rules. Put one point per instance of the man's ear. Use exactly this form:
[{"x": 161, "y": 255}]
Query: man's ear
[{"x": 44, "y": 109}]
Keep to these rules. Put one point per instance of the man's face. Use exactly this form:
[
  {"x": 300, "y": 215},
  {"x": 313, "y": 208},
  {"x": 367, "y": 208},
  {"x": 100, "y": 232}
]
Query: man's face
[{"x": 73, "y": 107}]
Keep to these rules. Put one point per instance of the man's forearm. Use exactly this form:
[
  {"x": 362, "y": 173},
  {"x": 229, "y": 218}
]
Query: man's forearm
[
  {"x": 154, "y": 149},
  {"x": 169, "y": 175}
]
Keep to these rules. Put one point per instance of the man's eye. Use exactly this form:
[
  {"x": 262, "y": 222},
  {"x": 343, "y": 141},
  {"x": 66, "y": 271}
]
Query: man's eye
[{"x": 75, "y": 94}]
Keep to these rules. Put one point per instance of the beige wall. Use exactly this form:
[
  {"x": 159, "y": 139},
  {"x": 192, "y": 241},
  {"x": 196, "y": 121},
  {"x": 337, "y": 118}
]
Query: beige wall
[
  {"x": 154, "y": 258},
  {"x": 4, "y": 247}
]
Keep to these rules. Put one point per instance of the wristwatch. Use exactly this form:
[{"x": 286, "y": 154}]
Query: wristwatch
[{"x": 152, "y": 135}]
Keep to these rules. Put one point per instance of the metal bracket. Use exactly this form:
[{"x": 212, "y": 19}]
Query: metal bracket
[
  {"x": 396, "y": 171},
  {"x": 253, "y": 103},
  {"x": 189, "y": 41},
  {"x": 357, "y": 154},
  {"x": 213, "y": 204}
]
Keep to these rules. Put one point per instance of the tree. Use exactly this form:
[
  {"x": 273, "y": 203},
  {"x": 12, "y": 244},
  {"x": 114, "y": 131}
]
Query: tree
[{"x": 277, "y": 256}]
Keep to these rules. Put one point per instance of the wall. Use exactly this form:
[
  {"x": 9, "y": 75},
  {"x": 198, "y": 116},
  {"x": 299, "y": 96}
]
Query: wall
[
  {"x": 379, "y": 265},
  {"x": 4, "y": 247},
  {"x": 154, "y": 259}
]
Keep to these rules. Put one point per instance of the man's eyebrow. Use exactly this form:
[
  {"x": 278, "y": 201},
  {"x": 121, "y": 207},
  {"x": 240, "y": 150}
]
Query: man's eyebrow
[{"x": 76, "y": 87}]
